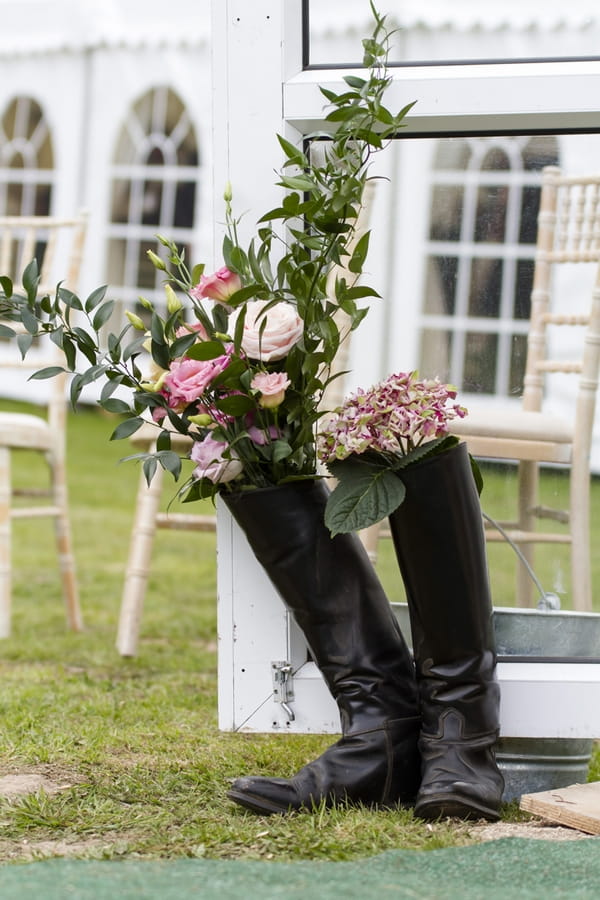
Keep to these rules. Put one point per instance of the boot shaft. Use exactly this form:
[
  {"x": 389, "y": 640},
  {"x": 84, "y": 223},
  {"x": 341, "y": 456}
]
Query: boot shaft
[
  {"x": 440, "y": 546},
  {"x": 335, "y": 596}
]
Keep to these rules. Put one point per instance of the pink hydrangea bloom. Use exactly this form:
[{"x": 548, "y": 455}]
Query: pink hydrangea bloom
[{"x": 391, "y": 418}]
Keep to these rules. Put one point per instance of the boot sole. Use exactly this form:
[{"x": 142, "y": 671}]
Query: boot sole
[
  {"x": 457, "y": 807},
  {"x": 258, "y": 804}
]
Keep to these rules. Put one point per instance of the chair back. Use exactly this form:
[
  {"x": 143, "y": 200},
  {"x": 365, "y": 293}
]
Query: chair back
[
  {"x": 568, "y": 232},
  {"x": 57, "y": 245}
]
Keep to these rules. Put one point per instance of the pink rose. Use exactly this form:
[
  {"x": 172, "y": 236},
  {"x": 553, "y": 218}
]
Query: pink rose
[
  {"x": 212, "y": 464},
  {"x": 271, "y": 335},
  {"x": 219, "y": 286},
  {"x": 272, "y": 387},
  {"x": 188, "y": 379}
]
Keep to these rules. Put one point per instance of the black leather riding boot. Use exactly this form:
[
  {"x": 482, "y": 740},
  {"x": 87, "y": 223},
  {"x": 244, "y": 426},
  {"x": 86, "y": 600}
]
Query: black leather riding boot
[
  {"x": 440, "y": 545},
  {"x": 331, "y": 589}
]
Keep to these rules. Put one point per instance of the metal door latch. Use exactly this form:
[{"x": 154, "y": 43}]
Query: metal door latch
[{"x": 283, "y": 686}]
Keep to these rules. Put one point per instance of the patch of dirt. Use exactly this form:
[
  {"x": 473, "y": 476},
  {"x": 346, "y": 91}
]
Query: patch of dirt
[
  {"x": 28, "y": 780},
  {"x": 543, "y": 831}
]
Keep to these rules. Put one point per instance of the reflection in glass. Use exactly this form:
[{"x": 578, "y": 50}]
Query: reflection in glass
[
  {"x": 470, "y": 31},
  {"x": 485, "y": 288},
  {"x": 480, "y": 348},
  {"x": 440, "y": 285},
  {"x": 488, "y": 211}
]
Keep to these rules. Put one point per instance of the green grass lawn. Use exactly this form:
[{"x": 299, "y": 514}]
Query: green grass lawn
[{"x": 134, "y": 743}]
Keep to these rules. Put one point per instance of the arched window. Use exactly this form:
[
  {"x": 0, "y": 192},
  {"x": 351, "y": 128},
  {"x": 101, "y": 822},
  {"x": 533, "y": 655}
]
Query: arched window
[
  {"x": 26, "y": 160},
  {"x": 481, "y": 244},
  {"x": 153, "y": 191}
]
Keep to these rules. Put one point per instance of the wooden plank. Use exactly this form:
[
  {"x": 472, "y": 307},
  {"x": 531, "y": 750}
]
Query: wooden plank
[{"x": 577, "y": 806}]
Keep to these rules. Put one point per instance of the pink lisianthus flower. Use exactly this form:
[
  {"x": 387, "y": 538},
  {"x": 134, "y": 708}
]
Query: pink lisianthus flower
[
  {"x": 268, "y": 335},
  {"x": 272, "y": 387},
  {"x": 188, "y": 379},
  {"x": 211, "y": 462},
  {"x": 190, "y": 328},
  {"x": 262, "y": 436},
  {"x": 219, "y": 286}
]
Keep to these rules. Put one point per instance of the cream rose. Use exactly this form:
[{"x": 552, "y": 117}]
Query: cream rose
[{"x": 271, "y": 339}]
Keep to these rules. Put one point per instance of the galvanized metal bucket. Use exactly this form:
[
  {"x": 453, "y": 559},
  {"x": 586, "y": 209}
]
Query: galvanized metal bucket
[{"x": 530, "y": 765}]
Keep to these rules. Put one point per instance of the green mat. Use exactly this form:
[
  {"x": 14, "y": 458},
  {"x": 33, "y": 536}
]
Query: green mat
[{"x": 503, "y": 869}]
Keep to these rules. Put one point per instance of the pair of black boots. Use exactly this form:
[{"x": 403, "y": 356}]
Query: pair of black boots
[{"x": 421, "y": 733}]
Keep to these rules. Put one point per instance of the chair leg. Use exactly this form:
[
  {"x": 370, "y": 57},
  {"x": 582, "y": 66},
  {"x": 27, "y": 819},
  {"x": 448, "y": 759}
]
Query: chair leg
[
  {"x": 64, "y": 544},
  {"x": 528, "y": 491},
  {"x": 5, "y": 543},
  {"x": 369, "y": 538},
  {"x": 581, "y": 576},
  {"x": 138, "y": 564}
]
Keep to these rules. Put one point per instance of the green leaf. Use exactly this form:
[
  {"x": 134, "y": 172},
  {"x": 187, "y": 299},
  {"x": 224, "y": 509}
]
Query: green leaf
[
  {"x": 205, "y": 350},
  {"x": 197, "y": 273},
  {"x": 355, "y": 82},
  {"x": 149, "y": 468},
  {"x": 171, "y": 462},
  {"x": 281, "y": 450},
  {"x": 31, "y": 279},
  {"x": 7, "y": 286},
  {"x": 365, "y": 495},
  {"x": 103, "y": 314},
  {"x": 236, "y": 405},
  {"x": 70, "y": 299},
  {"x": 298, "y": 183},
  {"x": 6, "y": 332},
  {"x": 95, "y": 298},
  {"x": 477, "y": 476},
  {"x": 114, "y": 405},
  {"x": 30, "y": 322},
  {"x": 292, "y": 152},
  {"x": 359, "y": 253},
  {"x": 160, "y": 354},
  {"x": 48, "y": 372},
  {"x": 24, "y": 342},
  {"x": 127, "y": 428}
]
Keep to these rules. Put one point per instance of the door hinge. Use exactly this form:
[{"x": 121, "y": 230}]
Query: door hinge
[{"x": 283, "y": 686}]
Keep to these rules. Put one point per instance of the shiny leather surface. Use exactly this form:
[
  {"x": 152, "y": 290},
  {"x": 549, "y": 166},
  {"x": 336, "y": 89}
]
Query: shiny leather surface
[
  {"x": 440, "y": 545},
  {"x": 331, "y": 588}
]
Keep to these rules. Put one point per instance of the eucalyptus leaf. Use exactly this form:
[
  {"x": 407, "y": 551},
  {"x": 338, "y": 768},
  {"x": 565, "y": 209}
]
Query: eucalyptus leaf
[{"x": 127, "y": 428}]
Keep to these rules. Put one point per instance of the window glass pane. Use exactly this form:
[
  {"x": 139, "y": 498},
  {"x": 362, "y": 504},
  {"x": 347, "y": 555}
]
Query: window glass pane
[
  {"x": 485, "y": 288},
  {"x": 465, "y": 30},
  {"x": 440, "y": 285},
  {"x": 480, "y": 360},
  {"x": 481, "y": 228},
  {"x": 153, "y": 191},
  {"x": 26, "y": 159}
]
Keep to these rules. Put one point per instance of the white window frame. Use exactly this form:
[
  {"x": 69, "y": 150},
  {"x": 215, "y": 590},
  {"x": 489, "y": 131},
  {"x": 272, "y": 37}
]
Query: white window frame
[{"x": 260, "y": 89}]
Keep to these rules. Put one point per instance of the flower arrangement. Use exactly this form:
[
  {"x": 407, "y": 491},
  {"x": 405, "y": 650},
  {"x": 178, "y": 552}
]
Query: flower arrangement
[
  {"x": 243, "y": 356},
  {"x": 375, "y": 434}
]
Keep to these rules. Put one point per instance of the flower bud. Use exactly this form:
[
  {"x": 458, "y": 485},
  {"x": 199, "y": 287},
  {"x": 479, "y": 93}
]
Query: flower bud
[
  {"x": 202, "y": 419},
  {"x": 227, "y": 193},
  {"x": 173, "y": 302},
  {"x": 156, "y": 261},
  {"x": 135, "y": 320}
]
